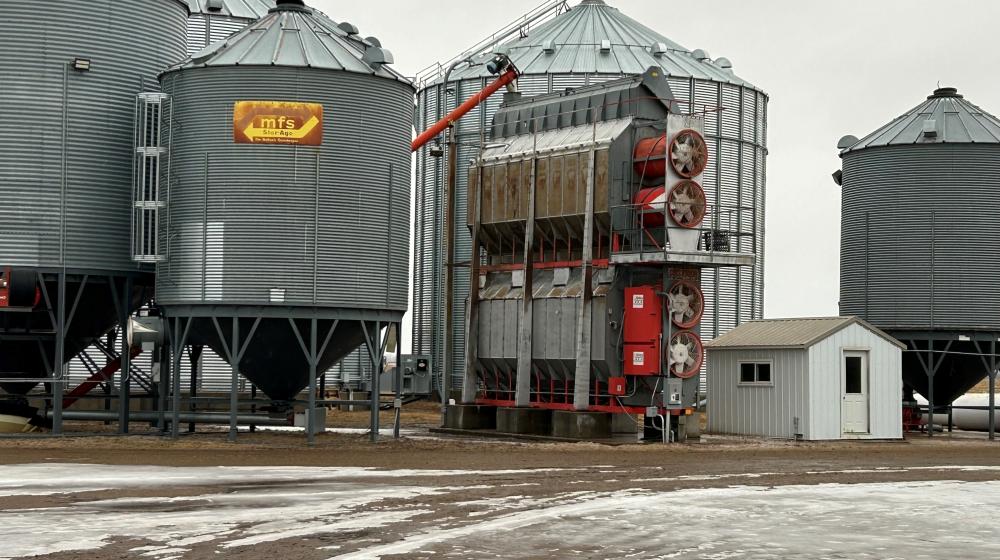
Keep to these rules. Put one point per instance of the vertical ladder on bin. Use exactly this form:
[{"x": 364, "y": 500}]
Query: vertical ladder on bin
[{"x": 149, "y": 184}]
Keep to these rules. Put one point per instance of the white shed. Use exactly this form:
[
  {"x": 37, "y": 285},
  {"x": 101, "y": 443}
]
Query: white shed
[{"x": 813, "y": 379}]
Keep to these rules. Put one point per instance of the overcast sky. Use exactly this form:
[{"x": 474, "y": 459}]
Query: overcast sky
[{"x": 830, "y": 68}]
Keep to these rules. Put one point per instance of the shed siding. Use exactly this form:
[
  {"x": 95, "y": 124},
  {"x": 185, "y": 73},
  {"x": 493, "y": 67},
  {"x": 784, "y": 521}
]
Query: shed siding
[
  {"x": 885, "y": 384},
  {"x": 758, "y": 411}
]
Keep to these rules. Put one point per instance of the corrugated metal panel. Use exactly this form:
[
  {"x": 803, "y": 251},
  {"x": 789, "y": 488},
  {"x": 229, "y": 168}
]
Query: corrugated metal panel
[
  {"x": 885, "y": 384},
  {"x": 205, "y": 29},
  {"x": 799, "y": 333},
  {"x": 292, "y": 37},
  {"x": 577, "y": 35},
  {"x": 951, "y": 118},
  {"x": 127, "y": 44},
  {"x": 767, "y": 411},
  {"x": 265, "y": 196},
  {"x": 241, "y": 9},
  {"x": 918, "y": 236}
]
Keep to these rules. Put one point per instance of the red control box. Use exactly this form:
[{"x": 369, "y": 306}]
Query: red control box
[
  {"x": 643, "y": 315},
  {"x": 616, "y": 386},
  {"x": 642, "y": 359}
]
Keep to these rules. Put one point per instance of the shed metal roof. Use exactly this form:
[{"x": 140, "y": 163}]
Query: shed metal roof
[
  {"x": 593, "y": 37},
  {"x": 790, "y": 333},
  {"x": 295, "y": 36},
  {"x": 946, "y": 117}
]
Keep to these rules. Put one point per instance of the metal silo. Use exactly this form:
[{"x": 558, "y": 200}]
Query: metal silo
[
  {"x": 286, "y": 228},
  {"x": 71, "y": 70},
  {"x": 918, "y": 241},
  {"x": 556, "y": 48},
  {"x": 214, "y": 20}
]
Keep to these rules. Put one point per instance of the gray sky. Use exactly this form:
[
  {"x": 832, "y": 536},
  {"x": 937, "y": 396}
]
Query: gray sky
[{"x": 830, "y": 68}]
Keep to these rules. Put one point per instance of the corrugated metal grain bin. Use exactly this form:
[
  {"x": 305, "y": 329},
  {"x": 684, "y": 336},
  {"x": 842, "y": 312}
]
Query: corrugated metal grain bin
[
  {"x": 919, "y": 234},
  {"x": 289, "y": 188},
  {"x": 70, "y": 71}
]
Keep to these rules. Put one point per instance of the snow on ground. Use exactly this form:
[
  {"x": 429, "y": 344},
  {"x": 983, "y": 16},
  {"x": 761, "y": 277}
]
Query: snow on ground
[
  {"x": 911, "y": 520},
  {"x": 55, "y": 478}
]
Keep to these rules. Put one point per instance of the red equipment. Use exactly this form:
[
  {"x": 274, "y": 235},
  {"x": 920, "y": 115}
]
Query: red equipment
[
  {"x": 688, "y": 154},
  {"x": 686, "y": 304},
  {"x": 642, "y": 330},
  {"x": 19, "y": 288},
  {"x": 652, "y": 203},
  {"x": 686, "y": 354},
  {"x": 650, "y": 158},
  {"x": 508, "y": 77},
  {"x": 93, "y": 381},
  {"x": 617, "y": 386},
  {"x": 687, "y": 204}
]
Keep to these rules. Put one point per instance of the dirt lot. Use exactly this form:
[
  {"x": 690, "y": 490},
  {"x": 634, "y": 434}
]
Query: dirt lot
[{"x": 428, "y": 496}]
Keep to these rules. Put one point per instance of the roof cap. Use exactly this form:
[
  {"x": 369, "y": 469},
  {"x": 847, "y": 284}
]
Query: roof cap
[{"x": 945, "y": 92}]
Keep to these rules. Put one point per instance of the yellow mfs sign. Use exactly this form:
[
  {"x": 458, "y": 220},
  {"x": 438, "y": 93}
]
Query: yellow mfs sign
[{"x": 278, "y": 122}]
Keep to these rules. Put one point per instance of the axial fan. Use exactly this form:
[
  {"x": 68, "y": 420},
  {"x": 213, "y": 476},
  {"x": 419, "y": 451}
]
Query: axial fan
[
  {"x": 687, "y": 204},
  {"x": 687, "y": 303},
  {"x": 650, "y": 157},
  {"x": 652, "y": 204},
  {"x": 685, "y": 354},
  {"x": 688, "y": 154}
]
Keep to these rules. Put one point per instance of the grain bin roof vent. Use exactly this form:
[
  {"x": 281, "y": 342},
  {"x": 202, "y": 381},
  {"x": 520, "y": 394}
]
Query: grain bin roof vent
[
  {"x": 290, "y": 6},
  {"x": 847, "y": 142},
  {"x": 349, "y": 28},
  {"x": 700, "y": 55},
  {"x": 658, "y": 49},
  {"x": 724, "y": 63},
  {"x": 930, "y": 128}
]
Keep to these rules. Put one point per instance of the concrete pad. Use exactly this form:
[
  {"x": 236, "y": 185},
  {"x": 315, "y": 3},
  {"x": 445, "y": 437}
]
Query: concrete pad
[
  {"x": 581, "y": 425},
  {"x": 625, "y": 424},
  {"x": 471, "y": 417},
  {"x": 534, "y": 421}
]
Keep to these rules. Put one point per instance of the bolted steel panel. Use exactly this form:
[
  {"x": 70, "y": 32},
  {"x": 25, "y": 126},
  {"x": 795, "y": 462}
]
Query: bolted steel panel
[
  {"x": 74, "y": 141},
  {"x": 327, "y": 225},
  {"x": 918, "y": 239}
]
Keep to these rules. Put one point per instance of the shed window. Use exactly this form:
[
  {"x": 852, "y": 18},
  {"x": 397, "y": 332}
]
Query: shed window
[{"x": 755, "y": 373}]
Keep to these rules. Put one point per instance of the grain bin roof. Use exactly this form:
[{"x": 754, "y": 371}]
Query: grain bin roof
[
  {"x": 944, "y": 118},
  {"x": 293, "y": 35},
  {"x": 242, "y": 9},
  {"x": 790, "y": 333},
  {"x": 593, "y": 37}
]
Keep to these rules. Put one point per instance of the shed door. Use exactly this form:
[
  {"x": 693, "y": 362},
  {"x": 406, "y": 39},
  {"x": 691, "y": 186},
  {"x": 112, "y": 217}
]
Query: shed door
[{"x": 854, "y": 385}]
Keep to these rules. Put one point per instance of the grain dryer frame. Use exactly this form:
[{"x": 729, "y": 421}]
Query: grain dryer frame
[{"x": 567, "y": 217}]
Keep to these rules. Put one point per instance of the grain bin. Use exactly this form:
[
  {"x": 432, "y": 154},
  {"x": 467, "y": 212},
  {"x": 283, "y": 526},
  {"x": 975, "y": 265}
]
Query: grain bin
[
  {"x": 214, "y": 20},
  {"x": 288, "y": 215},
  {"x": 557, "y": 48},
  {"x": 71, "y": 70},
  {"x": 918, "y": 241}
]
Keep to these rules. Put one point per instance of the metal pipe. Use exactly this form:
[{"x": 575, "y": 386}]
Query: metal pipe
[
  {"x": 507, "y": 78},
  {"x": 220, "y": 418}
]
